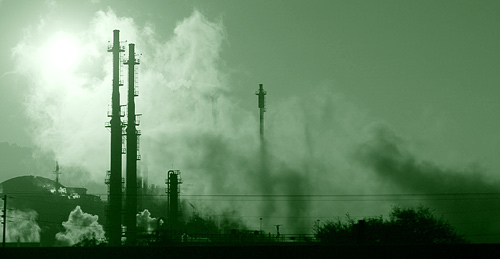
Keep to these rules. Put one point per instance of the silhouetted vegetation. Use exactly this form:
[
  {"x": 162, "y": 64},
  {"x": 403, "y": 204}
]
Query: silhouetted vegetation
[
  {"x": 404, "y": 226},
  {"x": 91, "y": 242}
]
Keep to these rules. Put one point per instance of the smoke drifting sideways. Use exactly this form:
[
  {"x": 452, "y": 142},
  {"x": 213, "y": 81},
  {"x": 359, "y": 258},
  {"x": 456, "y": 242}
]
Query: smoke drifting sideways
[
  {"x": 473, "y": 206},
  {"x": 79, "y": 227},
  {"x": 181, "y": 83},
  {"x": 192, "y": 121},
  {"x": 21, "y": 226}
]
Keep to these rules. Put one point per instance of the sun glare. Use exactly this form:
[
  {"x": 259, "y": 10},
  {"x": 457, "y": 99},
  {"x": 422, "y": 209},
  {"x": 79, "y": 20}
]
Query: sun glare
[{"x": 63, "y": 51}]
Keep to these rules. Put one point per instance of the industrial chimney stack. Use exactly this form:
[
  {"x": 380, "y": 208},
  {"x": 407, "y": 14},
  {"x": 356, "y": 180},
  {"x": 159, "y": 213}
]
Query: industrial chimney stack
[
  {"x": 114, "y": 176},
  {"x": 261, "y": 93},
  {"x": 132, "y": 151},
  {"x": 173, "y": 182}
]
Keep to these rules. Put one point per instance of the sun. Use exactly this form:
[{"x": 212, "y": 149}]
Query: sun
[{"x": 63, "y": 51}]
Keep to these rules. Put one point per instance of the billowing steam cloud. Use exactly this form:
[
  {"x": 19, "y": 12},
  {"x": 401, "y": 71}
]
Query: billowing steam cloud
[
  {"x": 22, "y": 226},
  {"x": 190, "y": 121},
  {"x": 182, "y": 87},
  {"x": 146, "y": 222},
  {"x": 79, "y": 227}
]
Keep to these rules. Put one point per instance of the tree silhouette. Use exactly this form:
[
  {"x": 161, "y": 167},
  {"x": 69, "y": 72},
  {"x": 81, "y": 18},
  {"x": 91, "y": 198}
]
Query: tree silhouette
[{"x": 404, "y": 226}]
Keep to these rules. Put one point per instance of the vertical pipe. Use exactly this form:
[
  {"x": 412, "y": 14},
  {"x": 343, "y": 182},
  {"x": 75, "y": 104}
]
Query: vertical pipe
[
  {"x": 131, "y": 192},
  {"x": 262, "y": 107},
  {"x": 173, "y": 199},
  {"x": 4, "y": 219},
  {"x": 115, "y": 179}
]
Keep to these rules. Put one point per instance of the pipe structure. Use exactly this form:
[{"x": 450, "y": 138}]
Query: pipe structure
[
  {"x": 4, "y": 217},
  {"x": 173, "y": 189},
  {"x": 57, "y": 173},
  {"x": 261, "y": 93},
  {"x": 115, "y": 177},
  {"x": 132, "y": 135}
]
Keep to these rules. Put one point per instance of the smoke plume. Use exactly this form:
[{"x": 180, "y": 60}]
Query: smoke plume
[
  {"x": 315, "y": 144},
  {"x": 146, "y": 222},
  {"x": 79, "y": 227},
  {"x": 22, "y": 226},
  {"x": 386, "y": 155}
]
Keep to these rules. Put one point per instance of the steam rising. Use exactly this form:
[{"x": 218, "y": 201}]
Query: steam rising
[
  {"x": 79, "y": 227},
  {"x": 22, "y": 226},
  {"x": 146, "y": 222},
  {"x": 316, "y": 144}
]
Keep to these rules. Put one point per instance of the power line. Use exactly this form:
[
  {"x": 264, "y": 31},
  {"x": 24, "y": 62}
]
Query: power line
[{"x": 286, "y": 195}]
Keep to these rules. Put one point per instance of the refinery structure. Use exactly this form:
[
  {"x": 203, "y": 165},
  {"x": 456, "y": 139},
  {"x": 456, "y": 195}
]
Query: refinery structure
[
  {"x": 128, "y": 193},
  {"x": 126, "y": 132},
  {"x": 122, "y": 218}
]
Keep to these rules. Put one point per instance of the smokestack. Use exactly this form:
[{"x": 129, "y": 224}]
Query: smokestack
[
  {"x": 132, "y": 154},
  {"x": 262, "y": 107},
  {"x": 57, "y": 173},
  {"x": 114, "y": 177},
  {"x": 173, "y": 189}
]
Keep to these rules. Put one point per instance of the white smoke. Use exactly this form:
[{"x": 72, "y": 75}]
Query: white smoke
[
  {"x": 21, "y": 226},
  {"x": 182, "y": 85},
  {"x": 312, "y": 140},
  {"x": 79, "y": 227},
  {"x": 146, "y": 222}
]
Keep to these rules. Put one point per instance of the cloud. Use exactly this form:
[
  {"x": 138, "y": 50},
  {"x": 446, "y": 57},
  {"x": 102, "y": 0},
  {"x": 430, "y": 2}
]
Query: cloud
[
  {"x": 319, "y": 143},
  {"x": 22, "y": 226},
  {"x": 192, "y": 122},
  {"x": 146, "y": 222},
  {"x": 387, "y": 156},
  {"x": 465, "y": 199},
  {"x": 79, "y": 227}
]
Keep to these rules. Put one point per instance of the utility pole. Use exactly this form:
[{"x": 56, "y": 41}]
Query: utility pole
[{"x": 4, "y": 216}]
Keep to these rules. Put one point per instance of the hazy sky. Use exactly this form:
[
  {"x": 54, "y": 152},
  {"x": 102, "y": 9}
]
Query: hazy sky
[{"x": 425, "y": 70}]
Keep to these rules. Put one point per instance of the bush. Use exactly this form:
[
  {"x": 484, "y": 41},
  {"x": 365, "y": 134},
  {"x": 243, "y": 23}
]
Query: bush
[{"x": 404, "y": 226}]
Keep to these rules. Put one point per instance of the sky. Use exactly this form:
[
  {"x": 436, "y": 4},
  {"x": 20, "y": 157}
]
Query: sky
[{"x": 364, "y": 97}]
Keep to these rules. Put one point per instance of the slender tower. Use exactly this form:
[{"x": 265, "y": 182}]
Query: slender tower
[
  {"x": 173, "y": 182},
  {"x": 262, "y": 106},
  {"x": 115, "y": 174},
  {"x": 132, "y": 154},
  {"x": 57, "y": 173}
]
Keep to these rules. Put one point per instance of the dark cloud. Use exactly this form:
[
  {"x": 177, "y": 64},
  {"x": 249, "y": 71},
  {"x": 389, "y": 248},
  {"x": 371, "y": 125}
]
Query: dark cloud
[{"x": 466, "y": 198}]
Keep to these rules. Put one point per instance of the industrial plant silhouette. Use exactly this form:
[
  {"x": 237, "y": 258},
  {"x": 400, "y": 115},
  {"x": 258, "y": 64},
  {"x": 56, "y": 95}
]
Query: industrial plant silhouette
[{"x": 130, "y": 200}]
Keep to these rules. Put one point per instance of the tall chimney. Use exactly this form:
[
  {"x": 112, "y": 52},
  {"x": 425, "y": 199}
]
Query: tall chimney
[
  {"x": 114, "y": 179},
  {"x": 262, "y": 107},
  {"x": 173, "y": 182},
  {"x": 132, "y": 156}
]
